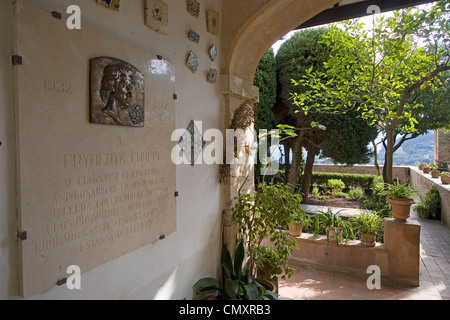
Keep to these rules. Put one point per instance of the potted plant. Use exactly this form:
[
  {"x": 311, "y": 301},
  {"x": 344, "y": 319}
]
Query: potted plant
[
  {"x": 261, "y": 219},
  {"x": 421, "y": 209},
  {"x": 421, "y": 166},
  {"x": 298, "y": 221},
  {"x": 399, "y": 195},
  {"x": 426, "y": 168},
  {"x": 430, "y": 204},
  {"x": 368, "y": 225},
  {"x": 445, "y": 177},
  {"x": 238, "y": 282},
  {"x": 435, "y": 173},
  {"x": 335, "y": 227}
]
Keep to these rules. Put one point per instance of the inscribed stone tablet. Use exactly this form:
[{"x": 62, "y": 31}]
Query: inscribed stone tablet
[{"x": 88, "y": 193}]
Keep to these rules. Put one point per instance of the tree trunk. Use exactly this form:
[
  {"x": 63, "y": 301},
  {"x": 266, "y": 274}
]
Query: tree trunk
[
  {"x": 307, "y": 173},
  {"x": 375, "y": 155},
  {"x": 296, "y": 160},
  {"x": 388, "y": 164}
]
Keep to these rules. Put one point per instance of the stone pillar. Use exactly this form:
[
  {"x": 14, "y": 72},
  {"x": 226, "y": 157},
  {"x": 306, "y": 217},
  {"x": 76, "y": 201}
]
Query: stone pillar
[
  {"x": 402, "y": 243},
  {"x": 238, "y": 99},
  {"x": 442, "y": 147}
]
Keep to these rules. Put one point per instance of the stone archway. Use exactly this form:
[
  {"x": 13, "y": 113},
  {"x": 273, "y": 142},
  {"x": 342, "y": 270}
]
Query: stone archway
[{"x": 249, "y": 28}]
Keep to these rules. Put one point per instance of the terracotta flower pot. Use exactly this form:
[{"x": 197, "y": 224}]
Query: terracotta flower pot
[
  {"x": 445, "y": 180},
  {"x": 400, "y": 207},
  {"x": 420, "y": 166},
  {"x": 295, "y": 229},
  {"x": 368, "y": 239},
  {"x": 426, "y": 169},
  {"x": 435, "y": 174}
]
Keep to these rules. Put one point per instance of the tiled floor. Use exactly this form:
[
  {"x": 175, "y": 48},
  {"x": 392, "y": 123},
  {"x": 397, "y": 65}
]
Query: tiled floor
[{"x": 310, "y": 283}]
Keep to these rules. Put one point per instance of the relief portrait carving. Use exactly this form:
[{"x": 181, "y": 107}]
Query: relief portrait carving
[{"x": 117, "y": 93}]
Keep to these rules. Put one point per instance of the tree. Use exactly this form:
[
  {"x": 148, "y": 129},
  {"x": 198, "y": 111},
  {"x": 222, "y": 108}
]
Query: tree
[
  {"x": 266, "y": 81},
  {"x": 378, "y": 72},
  {"x": 316, "y": 132}
]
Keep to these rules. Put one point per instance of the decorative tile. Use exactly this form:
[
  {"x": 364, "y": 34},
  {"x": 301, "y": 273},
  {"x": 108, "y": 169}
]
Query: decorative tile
[
  {"x": 111, "y": 4},
  {"x": 213, "y": 52},
  {"x": 193, "y": 7},
  {"x": 157, "y": 15},
  {"x": 194, "y": 36},
  {"x": 212, "y": 75},
  {"x": 193, "y": 62},
  {"x": 192, "y": 143},
  {"x": 212, "y": 21}
]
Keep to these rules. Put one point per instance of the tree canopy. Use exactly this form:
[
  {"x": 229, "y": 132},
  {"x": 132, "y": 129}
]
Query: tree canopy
[{"x": 377, "y": 72}]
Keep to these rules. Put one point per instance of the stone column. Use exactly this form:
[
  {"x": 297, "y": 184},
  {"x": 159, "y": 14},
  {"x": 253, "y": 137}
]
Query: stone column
[
  {"x": 238, "y": 101},
  {"x": 402, "y": 243}
]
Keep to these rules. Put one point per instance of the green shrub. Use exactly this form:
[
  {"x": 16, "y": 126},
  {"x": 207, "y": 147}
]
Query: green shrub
[
  {"x": 315, "y": 192},
  {"x": 379, "y": 202},
  {"x": 356, "y": 194},
  {"x": 342, "y": 195},
  {"x": 334, "y": 186},
  {"x": 364, "y": 181}
]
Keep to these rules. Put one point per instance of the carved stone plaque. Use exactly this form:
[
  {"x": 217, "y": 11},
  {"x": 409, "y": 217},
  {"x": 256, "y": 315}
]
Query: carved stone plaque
[
  {"x": 88, "y": 194},
  {"x": 117, "y": 93}
]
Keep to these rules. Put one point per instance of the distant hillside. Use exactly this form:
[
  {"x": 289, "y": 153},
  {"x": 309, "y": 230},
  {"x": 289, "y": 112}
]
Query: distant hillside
[{"x": 415, "y": 151}]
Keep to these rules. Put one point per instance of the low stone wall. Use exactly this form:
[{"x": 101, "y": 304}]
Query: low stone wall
[
  {"x": 423, "y": 182},
  {"x": 401, "y": 173},
  {"x": 398, "y": 258}
]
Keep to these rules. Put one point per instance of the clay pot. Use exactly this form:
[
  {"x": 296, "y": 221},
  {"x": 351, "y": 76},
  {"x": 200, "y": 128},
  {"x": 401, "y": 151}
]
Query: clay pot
[
  {"x": 368, "y": 239},
  {"x": 295, "y": 229},
  {"x": 445, "y": 180},
  {"x": 435, "y": 174},
  {"x": 426, "y": 169},
  {"x": 400, "y": 207}
]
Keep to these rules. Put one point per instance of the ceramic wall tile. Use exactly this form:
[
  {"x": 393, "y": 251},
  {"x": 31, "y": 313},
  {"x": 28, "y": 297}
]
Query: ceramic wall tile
[
  {"x": 193, "y": 7},
  {"x": 194, "y": 36},
  {"x": 212, "y": 20},
  {"x": 111, "y": 4},
  {"x": 157, "y": 15},
  {"x": 193, "y": 62}
]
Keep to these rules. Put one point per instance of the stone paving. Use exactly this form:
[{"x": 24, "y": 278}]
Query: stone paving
[{"x": 311, "y": 283}]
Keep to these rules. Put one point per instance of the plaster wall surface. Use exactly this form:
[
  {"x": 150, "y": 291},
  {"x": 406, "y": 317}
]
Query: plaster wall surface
[{"x": 166, "y": 269}]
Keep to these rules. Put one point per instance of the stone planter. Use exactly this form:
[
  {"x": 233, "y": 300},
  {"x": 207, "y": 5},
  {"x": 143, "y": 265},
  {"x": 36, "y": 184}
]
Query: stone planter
[
  {"x": 332, "y": 234},
  {"x": 400, "y": 207},
  {"x": 295, "y": 229},
  {"x": 368, "y": 239}
]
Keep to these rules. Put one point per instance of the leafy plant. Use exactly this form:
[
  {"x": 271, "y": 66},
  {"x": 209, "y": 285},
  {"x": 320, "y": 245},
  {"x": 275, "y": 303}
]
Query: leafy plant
[
  {"x": 400, "y": 190},
  {"x": 356, "y": 194},
  {"x": 379, "y": 203},
  {"x": 315, "y": 192},
  {"x": 367, "y": 222},
  {"x": 342, "y": 195},
  {"x": 331, "y": 219},
  {"x": 301, "y": 217},
  {"x": 430, "y": 203},
  {"x": 445, "y": 174},
  {"x": 264, "y": 216},
  {"x": 334, "y": 186},
  {"x": 239, "y": 283}
]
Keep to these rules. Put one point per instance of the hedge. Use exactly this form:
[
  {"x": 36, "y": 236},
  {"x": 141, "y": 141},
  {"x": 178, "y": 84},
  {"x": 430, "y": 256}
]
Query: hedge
[{"x": 364, "y": 181}]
